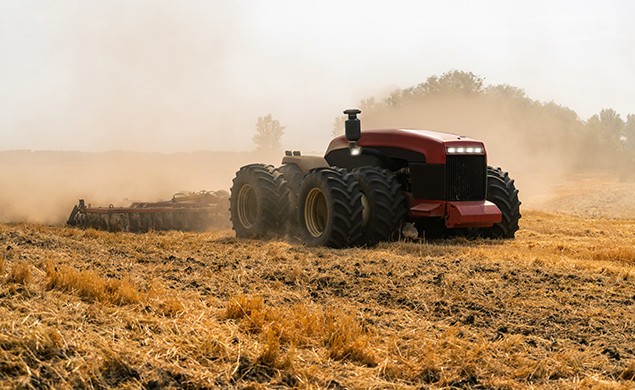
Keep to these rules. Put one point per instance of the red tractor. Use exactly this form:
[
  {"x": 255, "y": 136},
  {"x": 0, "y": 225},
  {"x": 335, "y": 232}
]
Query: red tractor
[{"x": 367, "y": 186}]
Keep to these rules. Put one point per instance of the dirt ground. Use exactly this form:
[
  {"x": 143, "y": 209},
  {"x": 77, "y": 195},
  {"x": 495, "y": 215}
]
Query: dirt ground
[
  {"x": 90, "y": 309},
  {"x": 550, "y": 309},
  {"x": 592, "y": 195}
]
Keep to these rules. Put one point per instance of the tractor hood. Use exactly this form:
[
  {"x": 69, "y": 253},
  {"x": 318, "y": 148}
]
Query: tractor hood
[{"x": 431, "y": 144}]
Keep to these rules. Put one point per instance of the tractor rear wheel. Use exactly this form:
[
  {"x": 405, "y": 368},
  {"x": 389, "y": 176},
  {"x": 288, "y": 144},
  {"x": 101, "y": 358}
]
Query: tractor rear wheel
[
  {"x": 503, "y": 193},
  {"x": 293, "y": 176},
  {"x": 383, "y": 203},
  {"x": 330, "y": 208},
  {"x": 258, "y": 202}
]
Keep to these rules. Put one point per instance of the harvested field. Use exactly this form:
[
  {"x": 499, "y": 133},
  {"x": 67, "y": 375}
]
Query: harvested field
[
  {"x": 553, "y": 308},
  {"x": 589, "y": 195}
]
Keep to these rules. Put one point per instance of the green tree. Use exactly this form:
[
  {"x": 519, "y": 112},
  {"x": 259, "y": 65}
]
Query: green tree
[{"x": 269, "y": 131}]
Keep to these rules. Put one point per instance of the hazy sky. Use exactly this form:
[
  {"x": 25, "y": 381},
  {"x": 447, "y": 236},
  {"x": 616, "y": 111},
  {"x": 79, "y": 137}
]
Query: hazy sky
[{"x": 189, "y": 75}]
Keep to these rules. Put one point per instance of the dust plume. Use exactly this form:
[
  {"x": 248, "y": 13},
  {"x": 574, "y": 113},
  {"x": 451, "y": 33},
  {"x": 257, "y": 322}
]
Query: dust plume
[
  {"x": 156, "y": 76},
  {"x": 125, "y": 81},
  {"x": 545, "y": 147},
  {"x": 43, "y": 187}
]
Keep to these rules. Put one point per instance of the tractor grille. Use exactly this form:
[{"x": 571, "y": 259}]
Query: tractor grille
[{"x": 465, "y": 177}]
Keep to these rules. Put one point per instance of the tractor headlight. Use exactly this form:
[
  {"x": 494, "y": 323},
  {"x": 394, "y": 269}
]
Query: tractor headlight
[{"x": 464, "y": 150}]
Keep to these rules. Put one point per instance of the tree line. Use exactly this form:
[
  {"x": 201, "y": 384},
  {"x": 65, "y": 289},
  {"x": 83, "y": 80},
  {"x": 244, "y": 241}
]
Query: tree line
[{"x": 512, "y": 124}]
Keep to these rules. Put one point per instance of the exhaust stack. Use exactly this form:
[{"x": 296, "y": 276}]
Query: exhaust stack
[{"x": 353, "y": 130}]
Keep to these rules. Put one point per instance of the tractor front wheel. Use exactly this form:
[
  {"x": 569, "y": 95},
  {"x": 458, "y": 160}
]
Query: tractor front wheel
[{"x": 503, "y": 193}]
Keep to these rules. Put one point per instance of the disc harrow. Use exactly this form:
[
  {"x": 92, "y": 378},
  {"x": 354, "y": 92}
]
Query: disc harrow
[{"x": 193, "y": 211}]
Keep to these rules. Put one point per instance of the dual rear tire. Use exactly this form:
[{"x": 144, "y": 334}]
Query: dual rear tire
[
  {"x": 338, "y": 208},
  {"x": 259, "y": 202},
  {"x": 329, "y": 207}
]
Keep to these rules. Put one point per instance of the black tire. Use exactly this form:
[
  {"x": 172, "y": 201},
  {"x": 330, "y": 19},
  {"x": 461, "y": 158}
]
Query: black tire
[
  {"x": 293, "y": 177},
  {"x": 258, "y": 202},
  {"x": 383, "y": 205},
  {"x": 330, "y": 208},
  {"x": 399, "y": 204},
  {"x": 502, "y": 192}
]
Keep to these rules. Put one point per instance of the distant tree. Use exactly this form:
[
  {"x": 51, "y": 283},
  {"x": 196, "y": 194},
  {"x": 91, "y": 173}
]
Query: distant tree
[
  {"x": 459, "y": 101},
  {"x": 505, "y": 91},
  {"x": 338, "y": 126},
  {"x": 269, "y": 131},
  {"x": 608, "y": 127},
  {"x": 603, "y": 140},
  {"x": 450, "y": 84},
  {"x": 454, "y": 82},
  {"x": 612, "y": 123},
  {"x": 367, "y": 105},
  {"x": 396, "y": 98},
  {"x": 629, "y": 134}
]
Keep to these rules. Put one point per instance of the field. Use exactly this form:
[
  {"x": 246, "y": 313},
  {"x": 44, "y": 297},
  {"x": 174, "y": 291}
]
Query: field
[
  {"x": 553, "y": 308},
  {"x": 90, "y": 309}
]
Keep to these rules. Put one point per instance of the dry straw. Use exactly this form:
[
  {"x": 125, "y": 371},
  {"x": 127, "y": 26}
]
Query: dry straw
[{"x": 87, "y": 309}]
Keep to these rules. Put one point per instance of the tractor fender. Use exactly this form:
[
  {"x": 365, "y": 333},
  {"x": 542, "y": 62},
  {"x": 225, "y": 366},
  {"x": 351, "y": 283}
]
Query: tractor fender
[{"x": 306, "y": 163}]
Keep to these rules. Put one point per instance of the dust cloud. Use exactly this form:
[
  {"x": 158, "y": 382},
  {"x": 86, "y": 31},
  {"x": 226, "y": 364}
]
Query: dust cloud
[
  {"x": 156, "y": 79},
  {"x": 43, "y": 187},
  {"x": 130, "y": 82},
  {"x": 544, "y": 153}
]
